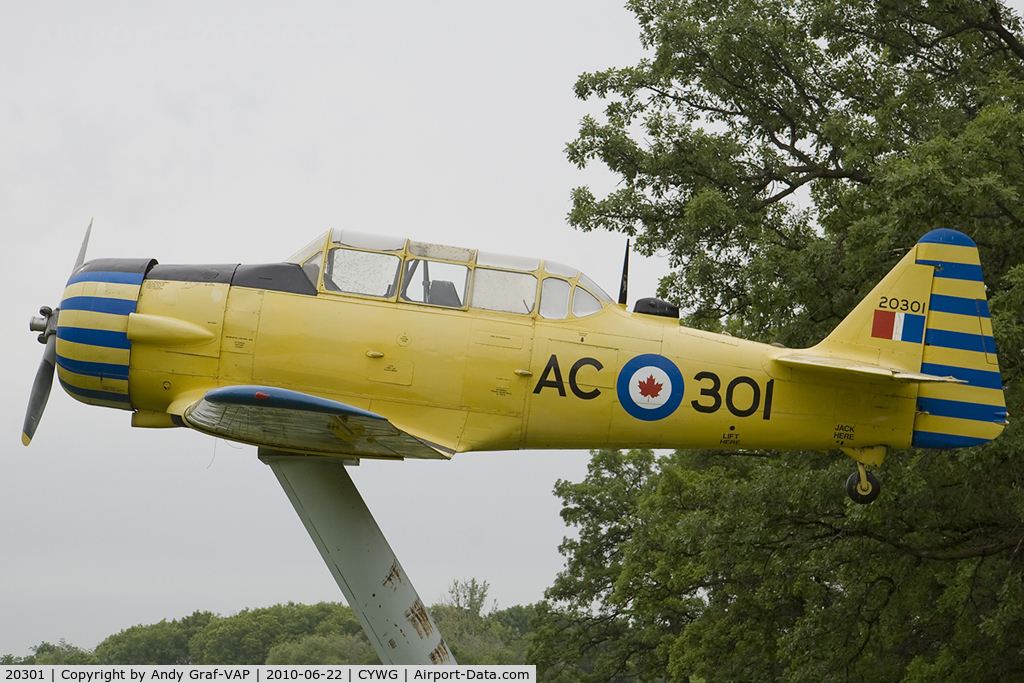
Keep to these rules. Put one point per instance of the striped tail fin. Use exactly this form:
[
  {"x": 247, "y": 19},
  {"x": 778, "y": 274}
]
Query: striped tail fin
[
  {"x": 926, "y": 323},
  {"x": 958, "y": 342}
]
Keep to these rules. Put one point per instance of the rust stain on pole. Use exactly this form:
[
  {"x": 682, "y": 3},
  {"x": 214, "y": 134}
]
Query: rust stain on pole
[
  {"x": 420, "y": 620},
  {"x": 394, "y": 577},
  {"x": 440, "y": 654}
]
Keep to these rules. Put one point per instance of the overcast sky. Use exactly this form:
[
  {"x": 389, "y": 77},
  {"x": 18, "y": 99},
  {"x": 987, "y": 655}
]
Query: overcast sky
[{"x": 236, "y": 132}]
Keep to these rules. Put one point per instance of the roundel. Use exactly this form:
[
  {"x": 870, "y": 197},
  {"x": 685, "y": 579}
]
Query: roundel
[{"x": 650, "y": 387}]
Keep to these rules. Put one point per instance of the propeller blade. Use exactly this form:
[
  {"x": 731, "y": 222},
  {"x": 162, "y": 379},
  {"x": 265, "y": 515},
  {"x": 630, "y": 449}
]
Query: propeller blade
[
  {"x": 85, "y": 245},
  {"x": 47, "y": 325},
  {"x": 40, "y": 391}
]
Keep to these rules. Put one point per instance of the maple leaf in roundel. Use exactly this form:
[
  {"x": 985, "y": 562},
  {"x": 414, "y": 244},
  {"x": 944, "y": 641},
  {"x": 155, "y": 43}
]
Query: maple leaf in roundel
[{"x": 650, "y": 388}]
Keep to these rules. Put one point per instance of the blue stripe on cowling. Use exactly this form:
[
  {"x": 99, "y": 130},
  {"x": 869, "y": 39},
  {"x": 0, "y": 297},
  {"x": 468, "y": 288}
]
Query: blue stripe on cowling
[
  {"x": 109, "y": 276},
  {"x": 963, "y": 341},
  {"x": 960, "y": 305},
  {"x": 947, "y": 236},
  {"x": 945, "y": 441},
  {"x": 954, "y": 271},
  {"x": 981, "y": 412},
  {"x": 974, "y": 378},
  {"x": 105, "y": 338},
  {"x": 91, "y": 369},
  {"x": 97, "y": 395},
  {"x": 99, "y": 304}
]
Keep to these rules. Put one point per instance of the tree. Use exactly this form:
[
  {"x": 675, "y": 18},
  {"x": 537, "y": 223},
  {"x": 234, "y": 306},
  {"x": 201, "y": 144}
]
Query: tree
[
  {"x": 325, "y": 633},
  {"x": 62, "y": 654},
  {"x": 479, "y": 637},
  {"x": 756, "y": 567},
  {"x": 333, "y": 648},
  {"x": 161, "y": 643},
  {"x": 880, "y": 117},
  {"x": 249, "y": 636},
  {"x": 575, "y": 640},
  {"x": 785, "y": 155}
]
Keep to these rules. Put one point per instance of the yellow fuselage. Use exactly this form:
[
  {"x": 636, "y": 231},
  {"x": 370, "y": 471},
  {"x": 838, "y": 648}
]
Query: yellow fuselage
[{"x": 481, "y": 380}]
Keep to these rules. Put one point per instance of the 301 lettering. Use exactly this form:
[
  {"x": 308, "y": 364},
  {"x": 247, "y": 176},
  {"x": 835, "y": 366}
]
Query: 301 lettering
[{"x": 742, "y": 396}]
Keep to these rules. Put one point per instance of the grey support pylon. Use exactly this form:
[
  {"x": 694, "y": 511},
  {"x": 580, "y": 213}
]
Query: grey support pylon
[{"x": 370, "y": 576}]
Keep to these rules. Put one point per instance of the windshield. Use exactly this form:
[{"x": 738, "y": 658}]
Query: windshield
[{"x": 396, "y": 269}]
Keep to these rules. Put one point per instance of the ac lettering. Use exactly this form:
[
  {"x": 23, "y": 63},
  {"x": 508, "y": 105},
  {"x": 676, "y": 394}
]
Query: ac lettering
[
  {"x": 585, "y": 395},
  {"x": 556, "y": 383},
  {"x": 552, "y": 378}
]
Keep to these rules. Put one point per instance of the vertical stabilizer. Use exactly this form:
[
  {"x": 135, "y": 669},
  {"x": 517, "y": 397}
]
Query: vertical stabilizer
[
  {"x": 930, "y": 315},
  {"x": 957, "y": 342},
  {"x": 887, "y": 328}
]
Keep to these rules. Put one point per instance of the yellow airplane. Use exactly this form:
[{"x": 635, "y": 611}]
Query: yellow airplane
[{"x": 365, "y": 346}]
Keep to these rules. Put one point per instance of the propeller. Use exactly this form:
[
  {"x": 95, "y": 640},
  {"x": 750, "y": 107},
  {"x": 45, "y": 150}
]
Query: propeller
[
  {"x": 46, "y": 325},
  {"x": 85, "y": 245}
]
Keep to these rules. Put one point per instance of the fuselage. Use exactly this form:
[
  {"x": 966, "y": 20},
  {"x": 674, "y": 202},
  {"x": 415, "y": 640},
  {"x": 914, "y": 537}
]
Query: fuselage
[{"x": 563, "y": 368}]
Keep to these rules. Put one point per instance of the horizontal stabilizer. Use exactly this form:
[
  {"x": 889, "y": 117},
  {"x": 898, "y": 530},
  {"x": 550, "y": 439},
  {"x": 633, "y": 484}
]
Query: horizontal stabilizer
[
  {"x": 830, "y": 364},
  {"x": 292, "y": 421}
]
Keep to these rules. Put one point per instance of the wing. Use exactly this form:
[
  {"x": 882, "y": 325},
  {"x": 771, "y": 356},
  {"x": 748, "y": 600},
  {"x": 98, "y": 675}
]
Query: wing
[{"x": 292, "y": 421}]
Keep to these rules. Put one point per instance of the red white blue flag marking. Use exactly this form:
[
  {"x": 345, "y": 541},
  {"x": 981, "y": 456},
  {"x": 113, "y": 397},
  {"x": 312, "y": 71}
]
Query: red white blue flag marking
[{"x": 898, "y": 326}]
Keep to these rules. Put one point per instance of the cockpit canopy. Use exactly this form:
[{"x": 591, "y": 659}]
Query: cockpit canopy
[{"x": 397, "y": 269}]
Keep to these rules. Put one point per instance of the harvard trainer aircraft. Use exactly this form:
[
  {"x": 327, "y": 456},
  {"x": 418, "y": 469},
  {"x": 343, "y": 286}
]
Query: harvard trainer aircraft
[{"x": 364, "y": 346}]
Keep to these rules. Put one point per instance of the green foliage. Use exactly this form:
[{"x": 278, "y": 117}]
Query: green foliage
[
  {"x": 161, "y": 643},
  {"x": 479, "y": 637},
  {"x": 786, "y": 155},
  {"x": 62, "y": 654},
  {"x": 247, "y": 637},
  {"x": 325, "y": 633},
  {"x": 588, "y": 634},
  {"x": 757, "y": 567},
  {"x": 333, "y": 648}
]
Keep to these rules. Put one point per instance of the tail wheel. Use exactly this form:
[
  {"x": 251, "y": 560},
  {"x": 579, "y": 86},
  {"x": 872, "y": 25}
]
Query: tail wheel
[{"x": 863, "y": 493}]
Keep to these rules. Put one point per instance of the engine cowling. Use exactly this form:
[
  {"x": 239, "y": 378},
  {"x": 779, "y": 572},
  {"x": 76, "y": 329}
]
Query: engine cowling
[{"x": 93, "y": 350}]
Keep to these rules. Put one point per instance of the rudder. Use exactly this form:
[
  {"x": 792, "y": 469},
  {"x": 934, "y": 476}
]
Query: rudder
[{"x": 958, "y": 342}]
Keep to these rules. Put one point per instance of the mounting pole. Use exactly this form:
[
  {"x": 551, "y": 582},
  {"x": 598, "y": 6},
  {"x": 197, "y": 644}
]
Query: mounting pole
[{"x": 376, "y": 587}]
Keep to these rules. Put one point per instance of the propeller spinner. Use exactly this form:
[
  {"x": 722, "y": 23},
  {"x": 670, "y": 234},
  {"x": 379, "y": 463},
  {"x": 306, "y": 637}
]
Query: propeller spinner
[{"x": 46, "y": 325}]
